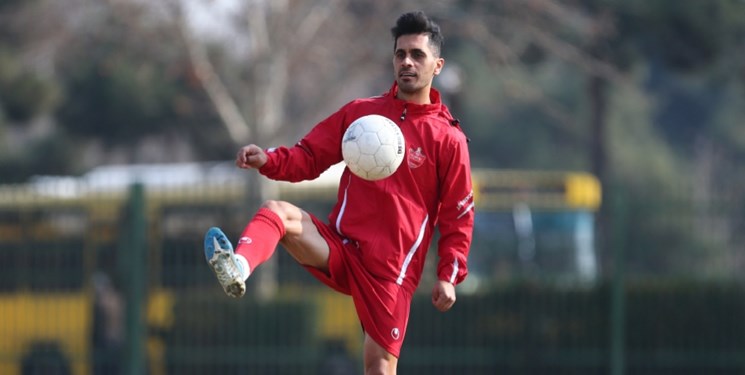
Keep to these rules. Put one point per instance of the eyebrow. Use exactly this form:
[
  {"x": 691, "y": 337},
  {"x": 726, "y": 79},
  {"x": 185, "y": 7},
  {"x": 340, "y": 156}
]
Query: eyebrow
[{"x": 412, "y": 50}]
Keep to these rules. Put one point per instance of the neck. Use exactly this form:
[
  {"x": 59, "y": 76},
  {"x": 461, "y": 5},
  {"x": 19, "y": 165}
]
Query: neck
[{"x": 418, "y": 97}]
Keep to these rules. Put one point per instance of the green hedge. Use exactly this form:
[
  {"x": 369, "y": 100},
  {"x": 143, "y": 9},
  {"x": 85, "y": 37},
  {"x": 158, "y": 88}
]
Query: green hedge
[
  {"x": 674, "y": 327},
  {"x": 215, "y": 334}
]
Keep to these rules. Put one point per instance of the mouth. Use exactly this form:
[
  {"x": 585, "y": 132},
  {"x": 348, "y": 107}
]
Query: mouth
[{"x": 407, "y": 75}]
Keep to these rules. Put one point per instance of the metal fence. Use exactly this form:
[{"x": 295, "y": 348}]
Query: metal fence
[{"x": 115, "y": 282}]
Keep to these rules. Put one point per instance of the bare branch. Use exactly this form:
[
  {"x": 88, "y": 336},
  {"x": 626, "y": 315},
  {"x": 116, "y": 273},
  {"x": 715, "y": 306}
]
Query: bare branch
[
  {"x": 573, "y": 54},
  {"x": 569, "y": 17},
  {"x": 224, "y": 103},
  {"x": 507, "y": 57},
  {"x": 318, "y": 15},
  {"x": 494, "y": 47},
  {"x": 564, "y": 120}
]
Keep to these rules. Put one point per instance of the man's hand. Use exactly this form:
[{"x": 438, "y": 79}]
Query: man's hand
[
  {"x": 251, "y": 156},
  {"x": 443, "y": 295}
]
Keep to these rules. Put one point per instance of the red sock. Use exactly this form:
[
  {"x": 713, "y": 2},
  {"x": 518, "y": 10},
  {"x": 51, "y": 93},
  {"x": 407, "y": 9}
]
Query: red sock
[{"x": 260, "y": 238}]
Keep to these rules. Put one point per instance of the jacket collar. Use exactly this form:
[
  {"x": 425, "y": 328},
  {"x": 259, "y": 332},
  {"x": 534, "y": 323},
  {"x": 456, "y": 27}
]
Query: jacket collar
[{"x": 434, "y": 97}]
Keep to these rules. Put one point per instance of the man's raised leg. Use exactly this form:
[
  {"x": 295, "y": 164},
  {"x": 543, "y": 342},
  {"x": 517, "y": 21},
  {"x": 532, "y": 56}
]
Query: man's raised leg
[{"x": 275, "y": 222}]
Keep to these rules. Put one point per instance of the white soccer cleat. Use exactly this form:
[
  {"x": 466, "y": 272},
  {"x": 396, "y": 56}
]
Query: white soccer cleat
[{"x": 231, "y": 271}]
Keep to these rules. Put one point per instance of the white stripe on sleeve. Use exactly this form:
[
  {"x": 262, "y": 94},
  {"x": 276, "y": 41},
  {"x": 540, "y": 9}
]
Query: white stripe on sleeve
[
  {"x": 465, "y": 210},
  {"x": 455, "y": 272}
]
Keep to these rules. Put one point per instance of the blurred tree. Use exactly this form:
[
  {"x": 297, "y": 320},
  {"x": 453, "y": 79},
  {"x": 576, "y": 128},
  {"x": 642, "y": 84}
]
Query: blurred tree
[
  {"x": 289, "y": 68},
  {"x": 117, "y": 99},
  {"x": 130, "y": 101},
  {"x": 691, "y": 52},
  {"x": 28, "y": 94},
  {"x": 648, "y": 95},
  {"x": 548, "y": 74},
  {"x": 23, "y": 93}
]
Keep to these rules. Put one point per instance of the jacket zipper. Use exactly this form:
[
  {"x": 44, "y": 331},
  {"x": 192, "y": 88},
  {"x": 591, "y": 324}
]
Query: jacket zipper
[{"x": 403, "y": 114}]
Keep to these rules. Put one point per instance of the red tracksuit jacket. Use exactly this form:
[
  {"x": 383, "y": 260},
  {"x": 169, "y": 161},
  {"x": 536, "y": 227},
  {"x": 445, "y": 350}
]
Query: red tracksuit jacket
[{"x": 393, "y": 220}]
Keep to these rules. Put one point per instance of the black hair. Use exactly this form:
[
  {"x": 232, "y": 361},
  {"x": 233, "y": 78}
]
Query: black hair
[{"x": 418, "y": 23}]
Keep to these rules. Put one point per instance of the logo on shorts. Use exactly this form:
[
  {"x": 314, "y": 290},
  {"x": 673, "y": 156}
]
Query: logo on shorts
[
  {"x": 245, "y": 240},
  {"x": 395, "y": 333}
]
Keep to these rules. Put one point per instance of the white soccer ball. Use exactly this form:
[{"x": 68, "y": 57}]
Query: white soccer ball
[{"x": 373, "y": 147}]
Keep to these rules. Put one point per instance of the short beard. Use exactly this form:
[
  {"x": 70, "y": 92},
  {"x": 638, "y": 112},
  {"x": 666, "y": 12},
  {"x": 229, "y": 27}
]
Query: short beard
[{"x": 410, "y": 88}]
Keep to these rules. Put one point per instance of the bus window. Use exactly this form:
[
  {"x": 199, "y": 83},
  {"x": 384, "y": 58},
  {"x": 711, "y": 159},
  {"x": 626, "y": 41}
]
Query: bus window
[
  {"x": 45, "y": 245},
  {"x": 534, "y": 224}
]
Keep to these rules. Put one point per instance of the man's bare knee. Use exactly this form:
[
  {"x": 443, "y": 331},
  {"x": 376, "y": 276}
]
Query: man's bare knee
[
  {"x": 285, "y": 210},
  {"x": 290, "y": 214},
  {"x": 302, "y": 240}
]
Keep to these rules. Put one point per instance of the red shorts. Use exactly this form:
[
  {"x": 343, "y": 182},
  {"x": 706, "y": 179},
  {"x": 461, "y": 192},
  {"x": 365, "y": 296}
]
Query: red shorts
[{"x": 382, "y": 306}]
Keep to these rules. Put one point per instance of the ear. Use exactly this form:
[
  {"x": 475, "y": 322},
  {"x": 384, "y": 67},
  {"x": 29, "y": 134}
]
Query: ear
[{"x": 439, "y": 63}]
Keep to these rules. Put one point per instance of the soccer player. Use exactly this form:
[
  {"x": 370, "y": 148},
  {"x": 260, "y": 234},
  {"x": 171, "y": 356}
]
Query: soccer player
[{"x": 375, "y": 242}]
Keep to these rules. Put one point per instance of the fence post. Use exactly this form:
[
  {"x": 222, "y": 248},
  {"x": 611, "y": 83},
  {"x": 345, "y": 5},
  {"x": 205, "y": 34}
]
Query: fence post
[
  {"x": 133, "y": 267},
  {"x": 618, "y": 292}
]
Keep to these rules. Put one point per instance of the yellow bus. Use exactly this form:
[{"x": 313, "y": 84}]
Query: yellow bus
[
  {"x": 535, "y": 224},
  {"x": 64, "y": 239}
]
